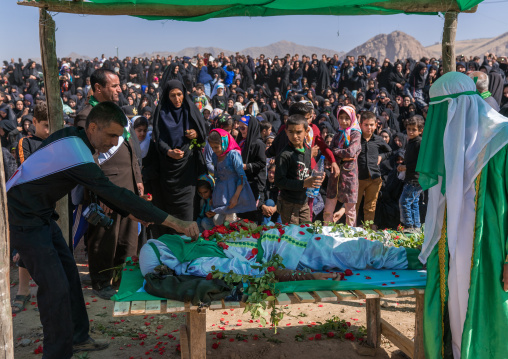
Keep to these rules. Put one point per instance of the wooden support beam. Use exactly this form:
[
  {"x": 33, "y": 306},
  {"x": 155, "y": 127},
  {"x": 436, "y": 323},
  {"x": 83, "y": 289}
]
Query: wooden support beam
[
  {"x": 6, "y": 338},
  {"x": 448, "y": 44},
  {"x": 402, "y": 342},
  {"x": 422, "y": 6},
  {"x": 196, "y": 330},
  {"x": 168, "y": 10},
  {"x": 47, "y": 40},
  {"x": 184, "y": 342},
  {"x": 373, "y": 313},
  {"x": 419, "y": 350},
  {"x": 89, "y": 8}
]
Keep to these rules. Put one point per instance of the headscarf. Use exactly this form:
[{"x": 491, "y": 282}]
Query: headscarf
[
  {"x": 228, "y": 143},
  {"x": 245, "y": 119},
  {"x": 252, "y": 136},
  {"x": 453, "y": 153},
  {"x": 207, "y": 178},
  {"x": 345, "y": 133},
  {"x": 185, "y": 117}
]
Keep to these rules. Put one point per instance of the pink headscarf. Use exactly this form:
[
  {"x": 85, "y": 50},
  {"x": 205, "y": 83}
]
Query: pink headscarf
[
  {"x": 228, "y": 143},
  {"x": 345, "y": 133}
]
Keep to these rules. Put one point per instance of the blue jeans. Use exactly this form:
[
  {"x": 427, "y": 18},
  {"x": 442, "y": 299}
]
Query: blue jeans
[{"x": 409, "y": 205}]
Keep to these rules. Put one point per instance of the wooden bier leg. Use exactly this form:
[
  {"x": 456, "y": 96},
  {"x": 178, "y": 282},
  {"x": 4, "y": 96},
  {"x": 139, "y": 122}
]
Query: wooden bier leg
[
  {"x": 419, "y": 352},
  {"x": 196, "y": 328},
  {"x": 373, "y": 322},
  {"x": 184, "y": 342}
]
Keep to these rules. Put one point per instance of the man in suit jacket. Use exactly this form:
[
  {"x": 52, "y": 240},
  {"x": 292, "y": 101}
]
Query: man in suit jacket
[{"x": 109, "y": 247}]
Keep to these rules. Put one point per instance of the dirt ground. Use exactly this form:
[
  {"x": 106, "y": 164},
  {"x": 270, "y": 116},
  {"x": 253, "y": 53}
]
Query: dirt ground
[{"x": 157, "y": 336}]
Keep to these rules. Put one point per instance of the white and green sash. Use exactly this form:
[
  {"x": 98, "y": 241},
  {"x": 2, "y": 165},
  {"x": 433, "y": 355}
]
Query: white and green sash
[{"x": 55, "y": 157}]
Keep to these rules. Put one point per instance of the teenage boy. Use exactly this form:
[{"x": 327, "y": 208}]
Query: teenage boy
[
  {"x": 374, "y": 150},
  {"x": 27, "y": 146},
  {"x": 410, "y": 197},
  {"x": 292, "y": 173}
]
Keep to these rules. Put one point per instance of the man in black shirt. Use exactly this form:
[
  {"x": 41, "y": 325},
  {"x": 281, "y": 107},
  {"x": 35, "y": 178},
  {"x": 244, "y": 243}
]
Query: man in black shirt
[
  {"x": 63, "y": 161},
  {"x": 374, "y": 150}
]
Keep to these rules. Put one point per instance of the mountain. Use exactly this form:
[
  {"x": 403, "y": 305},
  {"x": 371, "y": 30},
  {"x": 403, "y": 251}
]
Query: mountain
[
  {"x": 280, "y": 49},
  {"x": 396, "y": 45},
  {"x": 478, "y": 47}
]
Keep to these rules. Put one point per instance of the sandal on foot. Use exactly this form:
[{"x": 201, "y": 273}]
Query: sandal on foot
[{"x": 19, "y": 302}]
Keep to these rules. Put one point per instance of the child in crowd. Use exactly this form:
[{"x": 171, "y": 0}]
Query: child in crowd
[
  {"x": 27, "y": 146},
  {"x": 219, "y": 100},
  {"x": 232, "y": 193},
  {"x": 346, "y": 146},
  {"x": 206, "y": 216},
  {"x": 292, "y": 169},
  {"x": 265, "y": 128},
  {"x": 269, "y": 208},
  {"x": 144, "y": 136},
  {"x": 409, "y": 200},
  {"x": 374, "y": 150},
  {"x": 201, "y": 101}
]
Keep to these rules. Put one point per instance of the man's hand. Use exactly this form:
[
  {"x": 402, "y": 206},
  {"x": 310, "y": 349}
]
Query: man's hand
[
  {"x": 335, "y": 169},
  {"x": 313, "y": 182},
  {"x": 190, "y": 229},
  {"x": 210, "y": 214},
  {"x": 401, "y": 168},
  {"x": 175, "y": 154},
  {"x": 106, "y": 209},
  {"x": 379, "y": 159},
  {"x": 141, "y": 189}
]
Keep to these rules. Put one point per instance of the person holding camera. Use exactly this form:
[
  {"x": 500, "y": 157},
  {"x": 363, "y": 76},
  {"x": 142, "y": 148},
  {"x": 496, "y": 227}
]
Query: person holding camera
[{"x": 64, "y": 160}]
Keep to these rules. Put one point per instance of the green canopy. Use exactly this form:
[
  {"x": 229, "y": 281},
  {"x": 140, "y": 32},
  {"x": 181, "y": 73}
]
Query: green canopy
[{"x": 200, "y": 10}]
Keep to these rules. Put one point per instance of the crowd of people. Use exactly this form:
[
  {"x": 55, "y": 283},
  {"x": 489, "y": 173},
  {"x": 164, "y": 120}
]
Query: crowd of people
[{"x": 213, "y": 139}]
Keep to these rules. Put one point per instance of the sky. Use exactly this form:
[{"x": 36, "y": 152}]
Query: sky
[{"x": 93, "y": 35}]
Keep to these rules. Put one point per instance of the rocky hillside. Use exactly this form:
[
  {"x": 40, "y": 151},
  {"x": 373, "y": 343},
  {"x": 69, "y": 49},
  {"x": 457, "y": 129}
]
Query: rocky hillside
[
  {"x": 478, "y": 47},
  {"x": 280, "y": 48},
  {"x": 396, "y": 45}
]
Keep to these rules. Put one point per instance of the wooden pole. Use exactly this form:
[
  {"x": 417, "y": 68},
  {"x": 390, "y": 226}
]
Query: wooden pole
[
  {"x": 6, "y": 339},
  {"x": 448, "y": 44},
  {"x": 170, "y": 10},
  {"x": 52, "y": 87}
]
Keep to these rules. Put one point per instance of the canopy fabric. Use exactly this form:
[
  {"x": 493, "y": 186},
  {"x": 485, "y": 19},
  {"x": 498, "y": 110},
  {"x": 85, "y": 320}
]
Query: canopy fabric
[{"x": 200, "y": 10}]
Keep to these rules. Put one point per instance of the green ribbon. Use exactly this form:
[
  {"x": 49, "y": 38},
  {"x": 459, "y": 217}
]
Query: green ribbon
[
  {"x": 454, "y": 95},
  {"x": 93, "y": 101},
  {"x": 485, "y": 94}
]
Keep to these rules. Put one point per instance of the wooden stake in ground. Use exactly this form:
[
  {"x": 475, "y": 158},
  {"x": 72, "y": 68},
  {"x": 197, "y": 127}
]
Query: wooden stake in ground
[
  {"x": 52, "y": 88},
  {"x": 6, "y": 343},
  {"x": 448, "y": 44}
]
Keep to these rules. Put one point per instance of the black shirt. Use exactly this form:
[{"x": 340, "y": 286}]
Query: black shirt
[
  {"x": 411, "y": 159},
  {"x": 33, "y": 203},
  {"x": 292, "y": 168},
  {"x": 368, "y": 158},
  {"x": 27, "y": 146}
]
